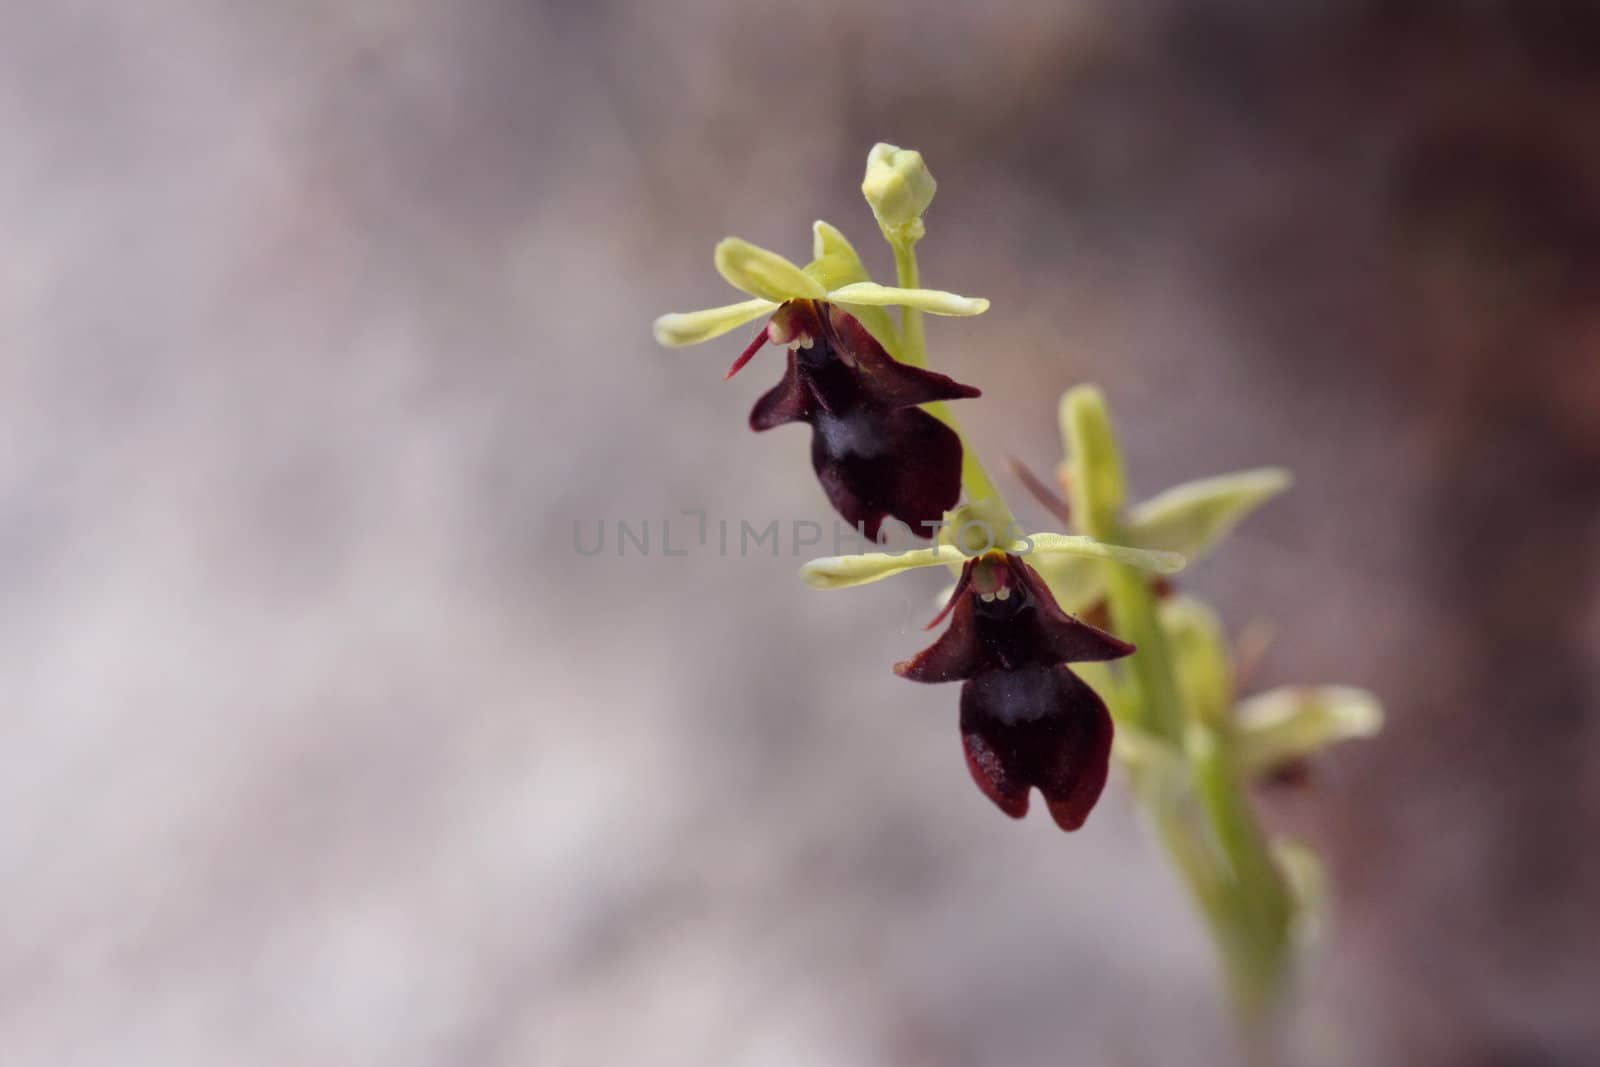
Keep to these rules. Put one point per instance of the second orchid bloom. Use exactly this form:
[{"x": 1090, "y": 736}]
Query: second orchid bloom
[{"x": 1026, "y": 720}]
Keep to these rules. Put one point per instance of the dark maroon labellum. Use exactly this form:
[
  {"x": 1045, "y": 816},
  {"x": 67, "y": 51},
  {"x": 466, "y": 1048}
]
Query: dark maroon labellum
[
  {"x": 875, "y": 452},
  {"x": 1026, "y": 720}
]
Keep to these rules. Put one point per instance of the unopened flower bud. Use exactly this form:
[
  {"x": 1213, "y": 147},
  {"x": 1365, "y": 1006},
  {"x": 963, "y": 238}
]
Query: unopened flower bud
[{"x": 899, "y": 187}]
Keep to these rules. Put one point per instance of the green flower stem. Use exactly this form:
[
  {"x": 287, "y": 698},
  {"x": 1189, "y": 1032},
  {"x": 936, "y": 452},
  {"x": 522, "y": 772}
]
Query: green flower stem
[
  {"x": 912, "y": 335},
  {"x": 1260, "y": 905},
  {"x": 975, "y": 479},
  {"x": 1158, "y": 708},
  {"x": 1098, "y": 492},
  {"x": 1201, "y": 813}
]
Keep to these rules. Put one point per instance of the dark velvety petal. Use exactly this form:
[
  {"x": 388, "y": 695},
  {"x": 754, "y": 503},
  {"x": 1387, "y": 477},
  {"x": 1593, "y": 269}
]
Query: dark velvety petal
[
  {"x": 874, "y": 464},
  {"x": 1003, "y": 618},
  {"x": 957, "y": 655},
  {"x": 1059, "y": 637},
  {"x": 1039, "y": 727},
  {"x": 882, "y": 381},
  {"x": 788, "y": 401}
]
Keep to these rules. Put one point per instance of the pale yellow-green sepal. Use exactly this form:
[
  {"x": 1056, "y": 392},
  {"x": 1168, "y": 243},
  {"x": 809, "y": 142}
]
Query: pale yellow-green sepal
[
  {"x": 1192, "y": 518},
  {"x": 933, "y": 301},
  {"x": 834, "y": 264},
  {"x": 692, "y": 327},
  {"x": 1282, "y": 725},
  {"x": 1048, "y": 544},
  {"x": 834, "y": 259},
  {"x": 764, "y": 273},
  {"x": 842, "y": 572}
]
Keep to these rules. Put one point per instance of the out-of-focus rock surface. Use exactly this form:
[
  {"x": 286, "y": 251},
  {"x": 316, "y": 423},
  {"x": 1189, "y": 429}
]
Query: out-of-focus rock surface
[{"x": 321, "y": 324}]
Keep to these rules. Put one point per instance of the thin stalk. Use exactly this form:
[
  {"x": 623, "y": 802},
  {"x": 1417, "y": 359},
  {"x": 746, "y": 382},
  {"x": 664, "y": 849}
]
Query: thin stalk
[
  {"x": 909, "y": 276},
  {"x": 975, "y": 478}
]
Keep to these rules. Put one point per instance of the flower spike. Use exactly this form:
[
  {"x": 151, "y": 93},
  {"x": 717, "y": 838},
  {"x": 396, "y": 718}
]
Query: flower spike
[{"x": 1040, "y": 697}]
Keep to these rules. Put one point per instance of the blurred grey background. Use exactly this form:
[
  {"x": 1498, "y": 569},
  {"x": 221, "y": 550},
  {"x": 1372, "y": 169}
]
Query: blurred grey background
[{"x": 322, "y": 322}]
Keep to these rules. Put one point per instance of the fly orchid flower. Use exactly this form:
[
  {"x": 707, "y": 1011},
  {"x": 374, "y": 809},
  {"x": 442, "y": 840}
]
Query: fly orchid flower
[
  {"x": 876, "y": 454},
  {"x": 1027, "y": 721}
]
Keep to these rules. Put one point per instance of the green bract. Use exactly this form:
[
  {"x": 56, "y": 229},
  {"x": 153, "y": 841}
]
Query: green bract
[{"x": 1281, "y": 726}]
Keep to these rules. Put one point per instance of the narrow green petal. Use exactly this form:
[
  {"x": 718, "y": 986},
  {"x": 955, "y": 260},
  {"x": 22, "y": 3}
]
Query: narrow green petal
[
  {"x": 1089, "y": 548},
  {"x": 1200, "y": 658},
  {"x": 1283, "y": 725},
  {"x": 842, "y": 572},
  {"x": 1192, "y": 518},
  {"x": 692, "y": 327},
  {"x": 765, "y": 274},
  {"x": 932, "y": 301},
  {"x": 834, "y": 261}
]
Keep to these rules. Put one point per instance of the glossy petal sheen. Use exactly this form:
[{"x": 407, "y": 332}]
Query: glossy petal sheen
[
  {"x": 884, "y": 381},
  {"x": 873, "y": 465},
  {"x": 1042, "y": 728},
  {"x": 874, "y": 452}
]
